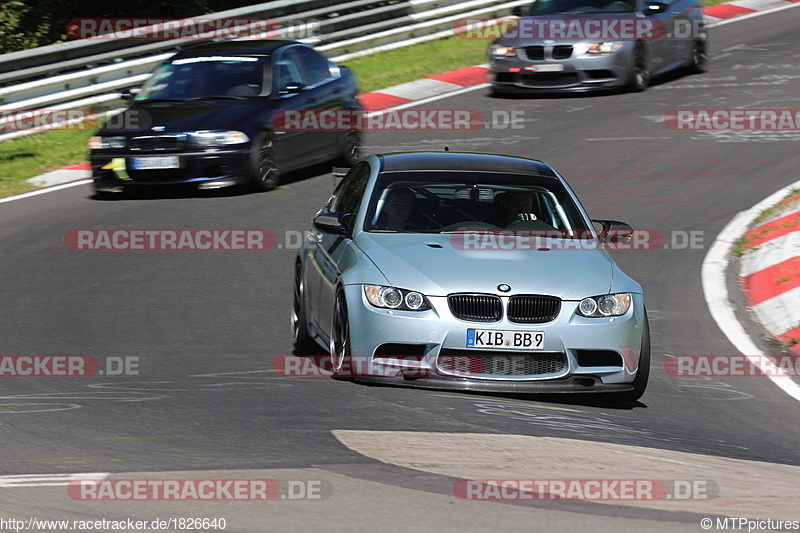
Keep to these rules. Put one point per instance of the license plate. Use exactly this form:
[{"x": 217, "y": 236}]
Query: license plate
[
  {"x": 507, "y": 340},
  {"x": 545, "y": 68},
  {"x": 149, "y": 163}
]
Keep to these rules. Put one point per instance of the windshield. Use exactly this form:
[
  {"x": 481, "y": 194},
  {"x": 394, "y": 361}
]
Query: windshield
[
  {"x": 446, "y": 202},
  {"x": 208, "y": 77},
  {"x": 563, "y": 7}
]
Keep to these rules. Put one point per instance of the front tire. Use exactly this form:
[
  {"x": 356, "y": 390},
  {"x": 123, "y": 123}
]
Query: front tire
[
  {"x": 341, "y": 357},
  {"x": 640, "y": 71},
  {"x": 303, "y": 344},
  {"x": 698, "y": 59},
  {"x": 351, "y": 150},
  {"x": 263, "y": 166}
]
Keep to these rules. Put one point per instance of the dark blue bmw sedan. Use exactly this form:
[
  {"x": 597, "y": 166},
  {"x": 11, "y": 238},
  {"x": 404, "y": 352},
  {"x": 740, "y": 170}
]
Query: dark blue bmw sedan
[{"x": 205, "y": 118}]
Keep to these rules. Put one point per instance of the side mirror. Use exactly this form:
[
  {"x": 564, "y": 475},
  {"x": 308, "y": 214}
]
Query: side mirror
[
  {"x": 335, "y": 223},
  {"x": 652, "y": 8},
  {"x": 614, "y": 231}
]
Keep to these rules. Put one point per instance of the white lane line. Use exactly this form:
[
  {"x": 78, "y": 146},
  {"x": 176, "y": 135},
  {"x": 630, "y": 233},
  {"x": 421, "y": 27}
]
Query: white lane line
[
  {"x": 44, "y": 191},
  {"x": 627, "y": 138},
  {"x": 46, "y": 480},
  {"x": 715, "y": 264}
]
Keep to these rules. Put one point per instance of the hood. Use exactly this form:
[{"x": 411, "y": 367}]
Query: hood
[
  {"x": 206, "y": 114},
  {"x": 439, "y": 264}
]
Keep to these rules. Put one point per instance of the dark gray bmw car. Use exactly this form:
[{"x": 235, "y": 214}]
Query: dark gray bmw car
[{"x": 584, "y": 45}]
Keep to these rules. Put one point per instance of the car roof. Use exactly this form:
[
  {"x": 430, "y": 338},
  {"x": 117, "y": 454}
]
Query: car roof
[
  {"x": 464, "y": 161},
  {"x": 265, "y": 47}
]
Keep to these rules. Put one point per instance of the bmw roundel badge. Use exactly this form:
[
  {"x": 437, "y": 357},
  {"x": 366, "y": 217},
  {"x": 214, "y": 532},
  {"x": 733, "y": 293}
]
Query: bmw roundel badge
[{"x": 504, "y": 287}]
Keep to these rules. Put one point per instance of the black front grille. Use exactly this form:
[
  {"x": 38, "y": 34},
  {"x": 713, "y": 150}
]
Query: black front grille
[
  {"x": 476, "y": 307},
  {"x": 562, "y": 51},
  {"x": 549, "y": 79},
  {"x": 480, "y": 363},
  {"x": 533, "y": 309},
  {"x": 534, "y": 53},
  {"x": 158, "y": 143}
]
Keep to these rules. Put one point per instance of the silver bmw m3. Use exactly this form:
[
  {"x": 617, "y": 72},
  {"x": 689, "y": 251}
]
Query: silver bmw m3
[{"x": 472, "y": 272}]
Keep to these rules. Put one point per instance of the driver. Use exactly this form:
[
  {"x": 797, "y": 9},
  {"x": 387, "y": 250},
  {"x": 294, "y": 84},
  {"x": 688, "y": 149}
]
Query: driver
[
  {"x": 513, "y": 206},
  {"x": 397, "y": 210}
]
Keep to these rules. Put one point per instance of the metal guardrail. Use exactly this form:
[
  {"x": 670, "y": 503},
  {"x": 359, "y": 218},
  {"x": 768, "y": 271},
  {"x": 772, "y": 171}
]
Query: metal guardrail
[{"x": 90, "y": 73}]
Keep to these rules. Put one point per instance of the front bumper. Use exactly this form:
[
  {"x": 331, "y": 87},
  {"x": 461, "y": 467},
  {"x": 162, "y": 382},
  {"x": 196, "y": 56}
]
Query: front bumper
[
  {"x": 578, "y": 74},
  {"x": 428, "y": 349},
  {"x": 113, "y": 172}
]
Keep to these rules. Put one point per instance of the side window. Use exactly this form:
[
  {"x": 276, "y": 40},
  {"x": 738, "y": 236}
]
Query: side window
[
  {"x": 314, "y": 65},
  {"x": 286, "y": 69},
  {"x": 348, "y": 195}
]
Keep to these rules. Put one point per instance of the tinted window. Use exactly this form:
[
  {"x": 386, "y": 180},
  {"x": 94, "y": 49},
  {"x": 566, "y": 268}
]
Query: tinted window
[
  {"x": 287, "y": 68},
  {"x": 553, "y": 7},
  {"x": 456, "y": 201},
  {"x": 348, "y": 195},
  {"x": 314, "y": 65},
  {"x": 207, "y": 76}
]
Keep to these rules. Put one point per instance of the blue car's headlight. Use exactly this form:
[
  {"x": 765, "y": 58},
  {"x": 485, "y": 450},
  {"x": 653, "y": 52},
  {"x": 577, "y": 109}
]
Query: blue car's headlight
[
  {"x": 393, "y": 298},
  {"x": 99, "y": 142},
  {"x": 217, "y": 139},
  {"x": 605, "y": 305}
]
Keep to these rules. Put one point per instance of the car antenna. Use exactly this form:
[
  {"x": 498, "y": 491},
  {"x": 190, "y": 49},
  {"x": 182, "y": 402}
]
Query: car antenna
[{"x": 446, "y": 149}]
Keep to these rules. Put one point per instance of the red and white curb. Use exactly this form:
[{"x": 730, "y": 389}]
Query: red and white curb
[
  {"x": 743, "y": 7},
  {"x": 770, "y": 272},
  {"x": 62, "y": 175}
]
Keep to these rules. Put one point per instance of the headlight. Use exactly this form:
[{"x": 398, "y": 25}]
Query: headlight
[
  {"x": 608, "y": 47},
  {"x": 104, "y": 143},
  {"x": 217, "y": 139},
  {"x": 393, "y": 298},
  {"x": 605, "y": 305},
  {"x": 497, "y": 50}
]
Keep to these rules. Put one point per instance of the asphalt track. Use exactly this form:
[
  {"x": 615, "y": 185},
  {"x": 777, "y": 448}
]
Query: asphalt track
[{"x": 205, "y": 326}]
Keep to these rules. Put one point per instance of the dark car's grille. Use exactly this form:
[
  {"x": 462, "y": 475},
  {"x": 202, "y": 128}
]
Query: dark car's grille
[
  {"x": 469, "y": 363},
  {"x": 534, "y": 53},
  {"x": 476, "y": 307},
  {"x": 562, "y": 51},
  {"x": 533, "y": 309},
  {"x": 158, "y": 143},
  {"x": 549, "y": 79}
]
